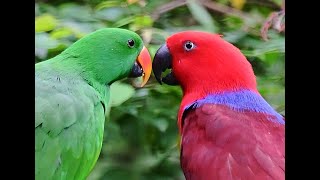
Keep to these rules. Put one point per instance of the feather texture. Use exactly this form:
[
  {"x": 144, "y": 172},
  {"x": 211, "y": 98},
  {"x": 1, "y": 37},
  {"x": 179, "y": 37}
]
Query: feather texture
[
  {"x": 221, "y": 143},
  {"x": 241, "y": 100},
  {"x": 69, "y": 126}
]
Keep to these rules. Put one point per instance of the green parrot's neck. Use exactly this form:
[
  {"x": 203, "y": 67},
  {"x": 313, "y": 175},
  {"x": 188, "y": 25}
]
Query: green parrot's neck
[{"x": 71, "y": 66}]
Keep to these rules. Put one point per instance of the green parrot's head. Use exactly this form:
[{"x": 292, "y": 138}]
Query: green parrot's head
[{"x": 110, "y": 54}]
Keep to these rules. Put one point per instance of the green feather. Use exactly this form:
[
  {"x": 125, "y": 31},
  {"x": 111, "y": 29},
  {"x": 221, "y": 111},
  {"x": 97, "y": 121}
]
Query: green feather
[{"x": 71, "y": 92}]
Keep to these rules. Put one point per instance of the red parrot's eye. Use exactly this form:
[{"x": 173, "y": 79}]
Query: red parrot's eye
[
  {"x": 130, "y": 43},
  {"x": 189, "y": 46}
]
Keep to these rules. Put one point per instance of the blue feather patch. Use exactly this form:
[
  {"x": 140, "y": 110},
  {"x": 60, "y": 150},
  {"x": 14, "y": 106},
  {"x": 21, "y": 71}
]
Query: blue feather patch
[{"x": 243, "y": 100}]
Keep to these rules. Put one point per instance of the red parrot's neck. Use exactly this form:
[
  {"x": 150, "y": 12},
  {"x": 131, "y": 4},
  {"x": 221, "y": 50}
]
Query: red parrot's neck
[
  {"x": 191, "y": 96},
  {"x": 241, "y": 100}
]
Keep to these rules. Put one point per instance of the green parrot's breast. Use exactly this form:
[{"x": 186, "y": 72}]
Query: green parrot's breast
[{"x": 69, "y": 125}]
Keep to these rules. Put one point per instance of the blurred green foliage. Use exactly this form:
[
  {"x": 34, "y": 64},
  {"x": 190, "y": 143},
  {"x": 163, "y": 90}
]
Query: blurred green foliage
[{"x": 141, "y": 136}]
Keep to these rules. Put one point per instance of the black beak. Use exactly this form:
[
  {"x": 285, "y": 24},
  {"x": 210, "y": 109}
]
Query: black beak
[
  {"x": 161, "y": 62},
  {"x": 136, "y": 71}
]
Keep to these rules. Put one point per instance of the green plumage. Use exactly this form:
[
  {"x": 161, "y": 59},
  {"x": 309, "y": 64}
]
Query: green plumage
[{"x": 71, "y": 93}]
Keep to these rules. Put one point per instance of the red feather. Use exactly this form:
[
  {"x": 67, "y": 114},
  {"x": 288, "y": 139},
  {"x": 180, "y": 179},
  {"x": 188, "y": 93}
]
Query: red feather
[{"x": 221, "y": 144}]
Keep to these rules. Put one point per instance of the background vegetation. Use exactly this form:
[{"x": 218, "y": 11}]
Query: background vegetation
[{"x": 141, "y": 136}]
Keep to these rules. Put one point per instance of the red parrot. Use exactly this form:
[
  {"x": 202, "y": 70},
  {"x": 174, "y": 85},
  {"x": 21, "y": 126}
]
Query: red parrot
[{"x": 228, "y": 130}]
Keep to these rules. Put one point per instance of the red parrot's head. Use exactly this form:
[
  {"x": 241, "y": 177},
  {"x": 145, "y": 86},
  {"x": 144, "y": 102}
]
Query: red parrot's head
[{"x": 203, "y": 63}]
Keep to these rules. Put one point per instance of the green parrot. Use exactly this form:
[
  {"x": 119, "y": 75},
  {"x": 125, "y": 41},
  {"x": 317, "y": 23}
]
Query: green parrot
[{"x": 71, "y": 95}]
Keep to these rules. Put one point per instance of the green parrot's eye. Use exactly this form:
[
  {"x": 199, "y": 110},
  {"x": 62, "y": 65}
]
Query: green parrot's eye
[
  {"x": 130, "y": 43},
  {"x": 189, "y": 46}
]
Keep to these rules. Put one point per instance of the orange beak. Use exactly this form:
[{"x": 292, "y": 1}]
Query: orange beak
[{"x": 144, "y": 60}]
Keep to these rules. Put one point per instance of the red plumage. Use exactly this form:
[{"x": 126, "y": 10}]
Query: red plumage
[
  {"x": 221, "y": 144},
  {"x": 228, "y": 131}
]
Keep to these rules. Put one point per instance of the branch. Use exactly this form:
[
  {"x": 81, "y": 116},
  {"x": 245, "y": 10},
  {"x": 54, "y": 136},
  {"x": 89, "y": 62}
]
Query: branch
[
  {"x": 246, "y": 18},
  {"x": 276, "y": 20},
  {"x": 217, "y": 7},
  {"x": 265, "y": 3},
  {"x": 226, "y": 10}
]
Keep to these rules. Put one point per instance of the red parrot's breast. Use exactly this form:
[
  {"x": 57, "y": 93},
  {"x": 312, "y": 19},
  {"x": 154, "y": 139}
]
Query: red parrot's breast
[{"x": 221, "y": 143}]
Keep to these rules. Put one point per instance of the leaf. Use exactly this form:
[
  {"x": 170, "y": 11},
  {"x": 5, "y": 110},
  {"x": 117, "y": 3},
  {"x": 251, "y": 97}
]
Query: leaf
[
  {"x": 61, "y": 33},
  {"x": 108, "y": 4},
  {"x": 119, "y": 93},
  {"x": 161, "y": 124},
  {"x": 278, "y": 2},
  {"x": 124, "y": 21},
  {"x": 132, "y": 1},
  {"x": 225, "y": 2},
  {"x": 80, "y": 29},
  {"x": 271, "y": 46},
  {"x": 76, "y": 12},
  {"x": 238, "y": 4},
  {"x": 110, "y": 14},
  {"x": 43, "y": 42},
  {"x": 45, "y": 23},
  {"x": 234, "y": 36},
  {"x": 272, "y": 91},
  {"x": 201, "y": 15},
  {"x": 140, "y": 22}
]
